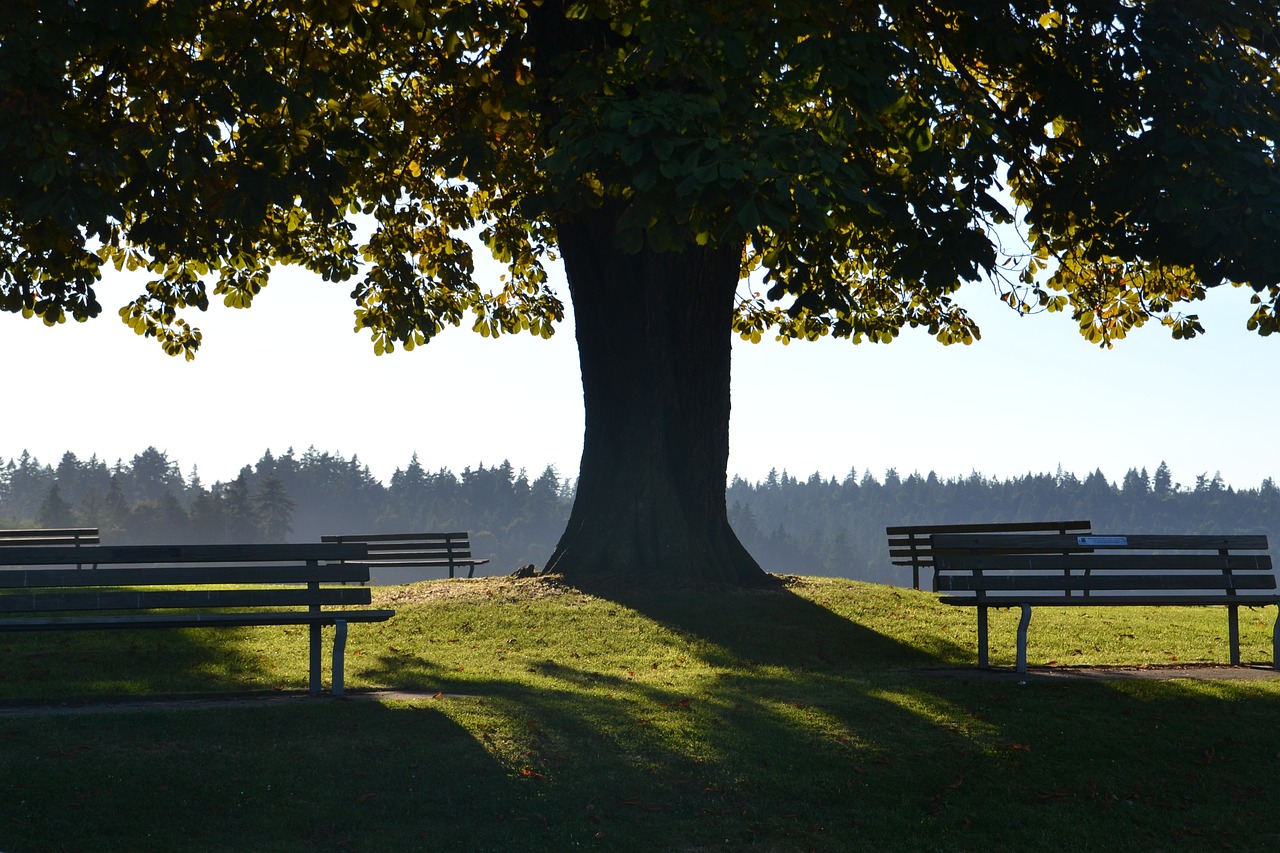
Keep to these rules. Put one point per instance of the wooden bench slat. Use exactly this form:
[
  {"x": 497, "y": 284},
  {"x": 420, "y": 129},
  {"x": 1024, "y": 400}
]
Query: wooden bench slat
[
  {"x": 379, "y": 557},
  {"x": 192, "y": 620},
  {"x": 1102, "y": 562},
  {"x": 373, "y": 538},
  {"x": 1103, "y": 583},
  {"x": 1190, "y": 600},
  {"x": 179, "y": 575},
  {"x": 1050, "y": 543},
  {"x": 164, "y": 554},
  {"x": 380, "y": 548},
  {"x": 16, "y": 603},
  {"x": 989, "y": 527}
]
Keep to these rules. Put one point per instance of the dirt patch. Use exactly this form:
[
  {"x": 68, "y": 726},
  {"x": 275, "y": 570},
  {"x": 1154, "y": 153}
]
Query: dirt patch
[{"x": 475, "y": 589}]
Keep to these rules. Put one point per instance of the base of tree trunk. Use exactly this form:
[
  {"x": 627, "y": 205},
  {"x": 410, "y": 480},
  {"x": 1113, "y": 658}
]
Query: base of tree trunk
[{"x": 654, "y": 338}]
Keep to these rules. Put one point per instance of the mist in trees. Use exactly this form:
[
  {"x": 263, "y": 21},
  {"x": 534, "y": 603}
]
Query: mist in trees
[
  {"x": 513, "y": 519},
  {"x": 837, "y": 527},
  {"x": 816, "y": 526}
]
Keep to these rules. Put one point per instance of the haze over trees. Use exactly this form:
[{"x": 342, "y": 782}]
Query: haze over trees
[
  {"x": 861, "y": 159},
  {"x": 513, "y": 518},
  {"x": 812, "y": 526}
]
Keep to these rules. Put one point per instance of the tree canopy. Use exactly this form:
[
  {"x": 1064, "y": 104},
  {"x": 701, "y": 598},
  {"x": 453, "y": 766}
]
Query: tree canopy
[
  {"x": 864, "y": 153},
  {"x": 1111, "y": 160}
]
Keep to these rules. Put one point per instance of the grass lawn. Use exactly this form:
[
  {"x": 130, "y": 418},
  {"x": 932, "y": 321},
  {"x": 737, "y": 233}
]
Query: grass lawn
[{"x": 830, "y": 715}]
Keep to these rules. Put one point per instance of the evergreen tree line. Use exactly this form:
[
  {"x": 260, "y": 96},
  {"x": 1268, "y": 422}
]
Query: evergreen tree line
[
  {"x": 837, "y": 527},
  {"x": 512, "y": 519},
  {"x": 817, "y": 526}
]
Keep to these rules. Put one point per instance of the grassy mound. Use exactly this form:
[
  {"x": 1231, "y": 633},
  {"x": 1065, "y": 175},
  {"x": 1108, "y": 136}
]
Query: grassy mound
[{"x": 827, "y": 714}]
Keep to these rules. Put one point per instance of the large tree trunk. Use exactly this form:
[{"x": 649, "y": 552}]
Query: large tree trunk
[{"x": 654, "y": 341}]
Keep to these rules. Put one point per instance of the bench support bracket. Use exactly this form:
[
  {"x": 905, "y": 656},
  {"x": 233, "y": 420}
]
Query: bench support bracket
[
  {"x": 1275, "y": 644},
  {"x": 1023, "y": 624},
  {"x": 983, "y": 663},
  {"x": 1233, "y": 632},
  {"x": 339, "y": 655},
  {"x": 315, "y": 659}
]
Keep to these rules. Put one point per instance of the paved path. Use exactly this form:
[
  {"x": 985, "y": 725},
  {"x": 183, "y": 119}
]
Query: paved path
[{"x": 247, "y": 700}]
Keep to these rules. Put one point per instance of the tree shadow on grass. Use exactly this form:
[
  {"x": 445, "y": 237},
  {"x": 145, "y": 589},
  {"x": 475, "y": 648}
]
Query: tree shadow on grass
[
  {"x": 295, "y": 776},
  {"x": 796, "y": 736},
  {"x": 776, "y": 758},
  {"x": 775, "y": 625},
  {"x": 99, "y": 665}
]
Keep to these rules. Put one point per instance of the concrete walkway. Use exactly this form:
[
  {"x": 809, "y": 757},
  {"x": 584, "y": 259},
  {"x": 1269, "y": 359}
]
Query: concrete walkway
[{"x": 246, "y": 700}]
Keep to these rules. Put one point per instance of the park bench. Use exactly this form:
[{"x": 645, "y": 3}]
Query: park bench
[
  {"x": 49, "y": 536},
  {"x": 910, "y": 545},
  {"x": 1053, "y": 570},
  {"x": 189, "y": 586},
  {"x": 414, "y": 551},
  {"x": 36, "y": 537}
]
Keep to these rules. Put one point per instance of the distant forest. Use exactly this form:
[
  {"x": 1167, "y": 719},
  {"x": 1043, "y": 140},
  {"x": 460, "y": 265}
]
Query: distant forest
[{"x": 815, "y": 526}]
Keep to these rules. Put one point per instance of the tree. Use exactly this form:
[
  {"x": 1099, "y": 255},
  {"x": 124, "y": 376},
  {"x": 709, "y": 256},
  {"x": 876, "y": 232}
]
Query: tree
[
  {"x": 55, "y": 511},
  {"x": 273, "y": 509},
  {"x": 863, "y": 160},
  {"x": 151, "y": 476}
]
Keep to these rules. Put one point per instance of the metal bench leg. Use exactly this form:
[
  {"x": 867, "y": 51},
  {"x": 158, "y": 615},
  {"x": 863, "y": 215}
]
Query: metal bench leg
[
  {"x": 1275, "y": 644},
  {"x": 1233, "y": 632},
  {"x": 982, "y": 638},
  {"x": 315, "y": 659},
  {"x": 339, "y": 654},
  {"x": 1023, "y": 624}
]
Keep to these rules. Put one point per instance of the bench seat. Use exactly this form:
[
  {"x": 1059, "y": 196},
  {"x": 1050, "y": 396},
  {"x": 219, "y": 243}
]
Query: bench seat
[
  {"x": 911, "y": 544},
  {"x": 49, "y": 536},
  {"x": 404, "y": 552},
  {"x": 1026, "y": 571},
  {"x": 190, "y": 586}
]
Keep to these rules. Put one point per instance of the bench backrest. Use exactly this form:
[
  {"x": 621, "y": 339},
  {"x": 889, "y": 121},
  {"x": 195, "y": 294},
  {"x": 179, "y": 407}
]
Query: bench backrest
[
  {"x": 992, "y": 566},
  {"x": 49, "y": 536},
  {"x": 412, "y": 550},
  {"x": 45, "y": 579},
  {"x": 911, "y": 544}
]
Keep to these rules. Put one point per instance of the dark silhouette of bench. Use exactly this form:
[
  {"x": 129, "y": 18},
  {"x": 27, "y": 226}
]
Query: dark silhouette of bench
[
  {"x": 450, "y": 551},
  {"x": 36, "y": 536},
  {"x": 189, "y": 586},
  {"x": 1030, "y": 570},
  {"x": 909, "y": 544}
]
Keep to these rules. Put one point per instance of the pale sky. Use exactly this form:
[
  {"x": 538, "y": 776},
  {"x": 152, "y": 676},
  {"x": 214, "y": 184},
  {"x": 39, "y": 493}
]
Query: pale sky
[{"x": 1031, "y": 396}]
